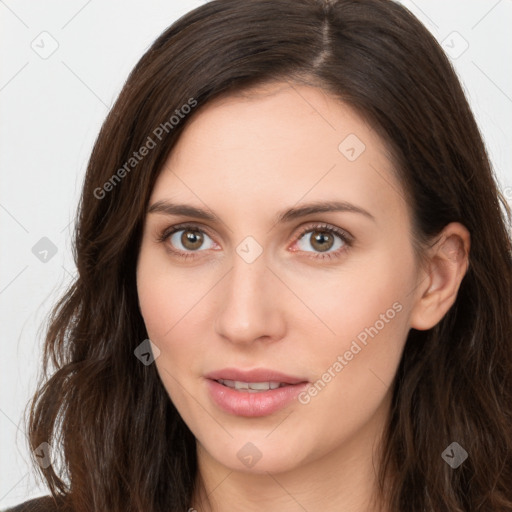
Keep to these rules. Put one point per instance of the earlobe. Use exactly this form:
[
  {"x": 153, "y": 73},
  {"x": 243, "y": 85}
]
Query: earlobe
[{"x": 448, "y": 262}]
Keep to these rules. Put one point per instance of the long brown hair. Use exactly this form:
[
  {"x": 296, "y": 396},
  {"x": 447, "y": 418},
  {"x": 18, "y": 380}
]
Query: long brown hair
[{"x": 124, "y": 447}]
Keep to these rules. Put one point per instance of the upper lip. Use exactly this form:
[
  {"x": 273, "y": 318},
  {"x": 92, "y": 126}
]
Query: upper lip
[{"x": 255, "y": 375}]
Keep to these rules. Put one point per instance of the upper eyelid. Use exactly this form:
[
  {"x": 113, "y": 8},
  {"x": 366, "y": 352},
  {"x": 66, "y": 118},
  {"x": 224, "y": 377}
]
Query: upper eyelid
[
  {"x": 184, "y": 225},
  {"x": 325, "y": 225}
]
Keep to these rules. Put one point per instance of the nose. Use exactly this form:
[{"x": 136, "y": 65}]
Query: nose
[{"x": 250, "y": 306}]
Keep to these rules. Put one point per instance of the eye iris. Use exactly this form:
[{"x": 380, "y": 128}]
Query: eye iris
[
  {"x": 194, "y": 239},
  {"x": 320, "y": 237}
]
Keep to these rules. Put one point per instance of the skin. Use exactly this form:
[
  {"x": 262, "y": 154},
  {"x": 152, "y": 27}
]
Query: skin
[{"x": 246, "y": 158}]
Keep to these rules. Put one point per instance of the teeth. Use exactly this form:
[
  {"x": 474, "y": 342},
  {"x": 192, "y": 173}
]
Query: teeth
[{"x": 251, "y": 387}]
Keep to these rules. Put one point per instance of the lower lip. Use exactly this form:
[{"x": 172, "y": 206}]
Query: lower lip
[{"x": 262, "y": 403}]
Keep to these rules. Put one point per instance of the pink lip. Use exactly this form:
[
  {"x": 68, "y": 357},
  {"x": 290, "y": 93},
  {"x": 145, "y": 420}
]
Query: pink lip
[{"x": 243, "y": 403}]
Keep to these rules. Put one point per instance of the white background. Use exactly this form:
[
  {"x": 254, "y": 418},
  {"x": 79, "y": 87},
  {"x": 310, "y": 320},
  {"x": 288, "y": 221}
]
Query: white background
[{"x": 52, "y": 110}]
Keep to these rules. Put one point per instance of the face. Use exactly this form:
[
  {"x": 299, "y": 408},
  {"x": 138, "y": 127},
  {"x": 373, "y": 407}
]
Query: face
[{"x": 323, "y": 297}]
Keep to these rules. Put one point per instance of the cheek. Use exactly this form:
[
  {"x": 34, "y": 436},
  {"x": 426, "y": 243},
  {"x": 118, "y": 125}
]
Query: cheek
[
  {"x": 371, "y": 320},
  {"x": 165, "y": 294},
  {"x": 164, "y": 301},
  {"x": 170, "y": 302},
  {"x": 368, "y": 291},
  {"x": 155, "y": 305},
  {"x": 365, "y": 319}
]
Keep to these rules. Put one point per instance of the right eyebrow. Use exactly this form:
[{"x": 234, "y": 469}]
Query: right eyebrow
[{"x": 183, "y": 210}]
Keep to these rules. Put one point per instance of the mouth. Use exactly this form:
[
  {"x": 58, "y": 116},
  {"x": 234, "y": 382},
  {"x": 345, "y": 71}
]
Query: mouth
[
  {"x": 258, "y": 378},
  {"x": 252, "y": 387},
  {"x": 253, "y": 393}
]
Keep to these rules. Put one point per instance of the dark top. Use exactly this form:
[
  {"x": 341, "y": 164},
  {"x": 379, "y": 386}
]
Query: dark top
[{"x": 42, "y": 504}]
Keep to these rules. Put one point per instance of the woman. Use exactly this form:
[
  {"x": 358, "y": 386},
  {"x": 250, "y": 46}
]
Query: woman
[{"x": 295, "y": 278}]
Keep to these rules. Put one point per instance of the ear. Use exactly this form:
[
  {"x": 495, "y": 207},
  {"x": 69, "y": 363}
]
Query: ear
[{"x": 448, "y": 262}]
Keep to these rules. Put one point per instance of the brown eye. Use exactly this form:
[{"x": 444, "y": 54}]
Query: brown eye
[
  {"x": 188, "y": 239},
  {"x": 322, "y": 239}
]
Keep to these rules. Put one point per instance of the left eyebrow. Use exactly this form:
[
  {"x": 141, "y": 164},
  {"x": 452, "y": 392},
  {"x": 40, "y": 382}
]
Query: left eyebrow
[
  {"x": 321, "y": 207},
  {"x": 287, "y": 215}
]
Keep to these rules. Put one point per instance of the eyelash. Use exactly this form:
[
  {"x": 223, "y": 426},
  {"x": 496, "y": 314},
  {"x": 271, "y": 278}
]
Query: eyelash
[{"x": 343, "y": 235}]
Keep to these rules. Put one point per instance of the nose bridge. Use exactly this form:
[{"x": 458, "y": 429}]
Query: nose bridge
[
  {"x": 248, "y": 278},
  {"x": 248, "y": 309},
  {"x": 247, "y": 285}
]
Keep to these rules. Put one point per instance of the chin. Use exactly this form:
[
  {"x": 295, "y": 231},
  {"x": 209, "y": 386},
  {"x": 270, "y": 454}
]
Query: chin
[{"x": 259, "y": 456}]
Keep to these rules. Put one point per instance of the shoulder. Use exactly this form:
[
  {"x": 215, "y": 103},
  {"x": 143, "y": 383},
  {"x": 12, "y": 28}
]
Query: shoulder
[{"x": 42, "y": 504}]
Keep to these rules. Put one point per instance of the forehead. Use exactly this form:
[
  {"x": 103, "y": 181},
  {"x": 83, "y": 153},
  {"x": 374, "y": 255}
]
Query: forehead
[{"x": 275, "y": 144}]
